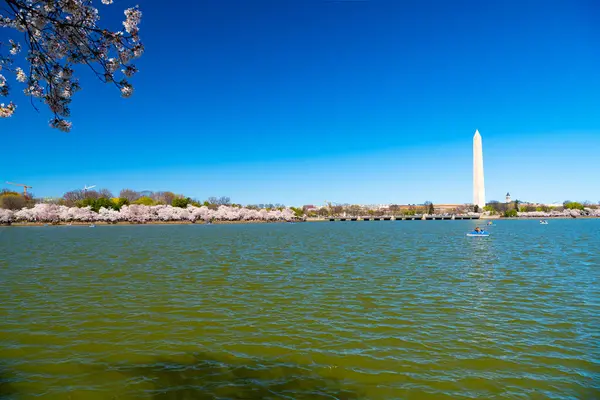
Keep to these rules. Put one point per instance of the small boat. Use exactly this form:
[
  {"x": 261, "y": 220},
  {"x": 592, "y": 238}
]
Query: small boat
[
  {"x": 544, "y": 222},
  {"x": 475, "y": 234},
  {"x": 92, "y": 226}
]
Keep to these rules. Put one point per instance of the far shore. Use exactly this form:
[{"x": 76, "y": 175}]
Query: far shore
[
  {"x": 79, "y": 223},
  {"x": 483, "y": 218},
  {"x": 121, "y": 223}
]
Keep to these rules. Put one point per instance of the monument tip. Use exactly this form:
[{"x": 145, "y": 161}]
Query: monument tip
[{"x": 476, "y": 132}]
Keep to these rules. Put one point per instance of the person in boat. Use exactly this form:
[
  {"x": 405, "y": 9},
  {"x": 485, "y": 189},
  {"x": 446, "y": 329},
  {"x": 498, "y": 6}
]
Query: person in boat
[{"x": 477, "y": 230}]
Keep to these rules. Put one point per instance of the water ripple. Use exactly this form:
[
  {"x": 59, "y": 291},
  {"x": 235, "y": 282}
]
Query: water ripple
[{"x": 305, "y": 311}]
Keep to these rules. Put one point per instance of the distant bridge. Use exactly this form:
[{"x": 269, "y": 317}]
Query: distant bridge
[{"x": 407, "y": 218}]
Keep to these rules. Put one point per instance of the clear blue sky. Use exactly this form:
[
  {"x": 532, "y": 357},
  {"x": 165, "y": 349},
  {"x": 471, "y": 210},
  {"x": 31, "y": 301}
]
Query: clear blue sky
[{"x": 301, "y": 101}]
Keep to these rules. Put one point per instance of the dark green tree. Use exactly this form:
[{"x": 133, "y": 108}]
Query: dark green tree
[
  {"x": 120, "y": 202},
  {"x": 181, "y": 202},
  {"x": 103, "y": 202}
]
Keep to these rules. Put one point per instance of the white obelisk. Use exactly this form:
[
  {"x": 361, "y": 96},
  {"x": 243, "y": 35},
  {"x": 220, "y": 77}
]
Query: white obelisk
[{"x": 478, "y": 186}]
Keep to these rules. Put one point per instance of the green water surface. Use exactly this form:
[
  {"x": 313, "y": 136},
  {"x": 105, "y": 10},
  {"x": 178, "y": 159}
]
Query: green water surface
[{"x": 332, "y": 310}]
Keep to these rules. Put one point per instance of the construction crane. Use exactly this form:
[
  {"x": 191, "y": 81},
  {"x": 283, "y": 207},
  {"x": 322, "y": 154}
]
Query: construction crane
[
  {"x": 25, "y": 187},
  {"x": 86, "y": 187}
]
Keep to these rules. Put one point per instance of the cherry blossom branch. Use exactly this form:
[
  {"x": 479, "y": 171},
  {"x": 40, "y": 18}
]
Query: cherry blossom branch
[{"x": 60, "y": 34}]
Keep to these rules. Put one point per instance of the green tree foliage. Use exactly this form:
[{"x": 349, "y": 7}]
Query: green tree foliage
[
  {"x": 97, "y": 204},
  {"x": 573, "y": 205},
  {"x": 298, "y": 212},
  {"x": 511, "y": 213},
  {"x": 517, "y": 202},
  {"x": 181, "y": 202},
  {"x": 145, "y": 201},
  {"x": 103, "y": 202},
  {"x": 495, "y": 207},
  {"x": 411, "y": 210},
  {"x": 119, "y": 202},
  {"x": 12, "y": 201}
]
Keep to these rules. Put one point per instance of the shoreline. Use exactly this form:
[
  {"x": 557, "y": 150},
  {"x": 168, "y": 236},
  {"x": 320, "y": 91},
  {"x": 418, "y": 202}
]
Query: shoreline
[
  {"x": 477, "y": 219},
  {"x": 78, "y": 223},
  {"x": 124, "y": 223}
]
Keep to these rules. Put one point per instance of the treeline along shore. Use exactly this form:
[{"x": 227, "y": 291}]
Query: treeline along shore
[
  {"x": 132, "y": 207},
  {"x": 140, "y": 214}
]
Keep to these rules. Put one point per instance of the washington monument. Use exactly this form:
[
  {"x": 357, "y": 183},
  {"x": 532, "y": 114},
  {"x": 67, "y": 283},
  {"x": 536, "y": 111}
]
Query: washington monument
[{"x": 478, "y": 186}]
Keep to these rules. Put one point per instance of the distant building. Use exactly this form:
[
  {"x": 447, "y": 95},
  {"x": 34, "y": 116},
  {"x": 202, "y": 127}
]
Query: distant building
[{"x": 508, "y": 197}]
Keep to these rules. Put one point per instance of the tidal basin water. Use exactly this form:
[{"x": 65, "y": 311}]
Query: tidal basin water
[{"x": 346, "y": 310}]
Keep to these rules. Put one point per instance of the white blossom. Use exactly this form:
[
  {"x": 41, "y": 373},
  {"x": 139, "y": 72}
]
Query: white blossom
[
  {"x": 7, "y": 111},
  {"x": 59, "y": 34},
  {"x": 15, "y": 48},
  {"x": 21, "y": 77},
  {"x": 126, "y": 90},
  {"x": 133, "y": 18},
  {"x": 108, "y": 215},
  {"x": 6, "y": 216},
  {"x": 112, "y": 64},
  {"x": 61, "y": 124}
]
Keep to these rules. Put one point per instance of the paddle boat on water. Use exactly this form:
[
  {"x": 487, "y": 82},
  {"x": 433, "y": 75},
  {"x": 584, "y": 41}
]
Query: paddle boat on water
[
  {"x": 478, "y": 232},
  {"x": 543, "y": 222}
]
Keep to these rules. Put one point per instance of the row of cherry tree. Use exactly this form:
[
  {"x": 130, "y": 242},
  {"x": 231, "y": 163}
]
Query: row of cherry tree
[
  {"x": 52, "y": 213},
  {"x": 586, "y": 212}
]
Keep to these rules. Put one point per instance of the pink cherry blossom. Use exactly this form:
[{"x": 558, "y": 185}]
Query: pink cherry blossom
[
  {"x": 6, "y": 216},
  {"x": 52, "y": 213}
]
